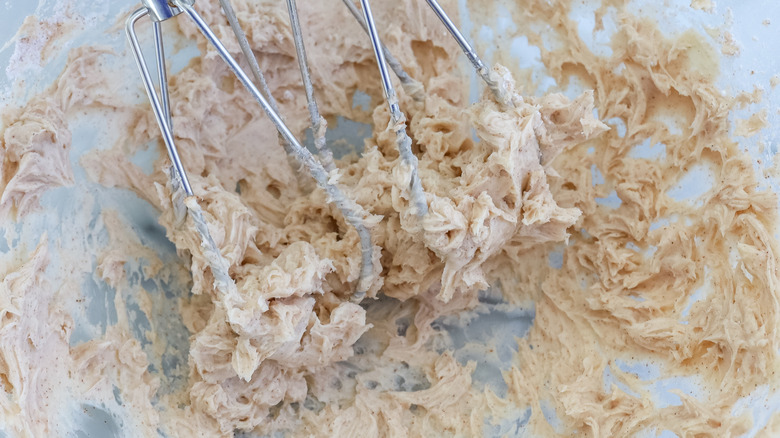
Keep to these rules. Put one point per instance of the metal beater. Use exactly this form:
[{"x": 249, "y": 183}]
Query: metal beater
[{"x": 319, "y": 169}]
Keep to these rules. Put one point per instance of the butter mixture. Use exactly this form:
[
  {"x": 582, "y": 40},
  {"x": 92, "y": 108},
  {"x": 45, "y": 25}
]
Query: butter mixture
[{"x": 278, "y": 345}]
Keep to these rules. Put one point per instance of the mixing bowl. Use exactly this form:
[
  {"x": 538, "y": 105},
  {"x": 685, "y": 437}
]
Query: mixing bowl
[{"x": 744, "y": 34}]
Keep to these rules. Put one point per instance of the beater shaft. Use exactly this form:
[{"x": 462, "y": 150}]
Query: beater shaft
[
  {"x": 409, "y": 84},
  {"x": 161, "y": 111},
  {"x": 493, "y": 81},
  {"x": 161, "y": 72},
  {"x": 317, "y": 121},
  {"x": 397, "y": 118}
]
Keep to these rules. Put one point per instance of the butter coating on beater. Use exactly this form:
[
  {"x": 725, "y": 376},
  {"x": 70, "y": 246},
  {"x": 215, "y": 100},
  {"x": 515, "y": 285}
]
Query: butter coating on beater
[{"x": 275, "y": 342}]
